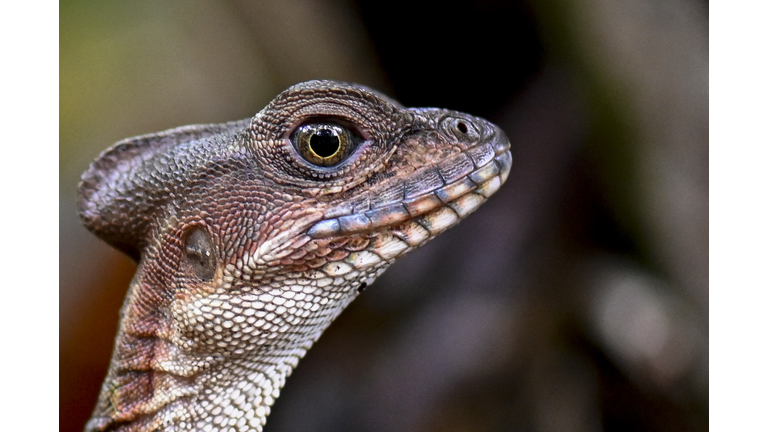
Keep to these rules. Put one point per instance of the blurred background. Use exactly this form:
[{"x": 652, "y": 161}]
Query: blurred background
[{"x": 576, "y": 299}]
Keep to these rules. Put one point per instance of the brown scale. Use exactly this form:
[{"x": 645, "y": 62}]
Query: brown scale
[{"x": 207, "y": 316}]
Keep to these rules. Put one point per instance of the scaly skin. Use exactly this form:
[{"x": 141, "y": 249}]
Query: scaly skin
[{"x": 248, "y": 247}]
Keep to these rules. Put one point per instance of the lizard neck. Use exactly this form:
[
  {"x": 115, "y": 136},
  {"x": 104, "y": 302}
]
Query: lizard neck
[{"x": 156, "y": 379}]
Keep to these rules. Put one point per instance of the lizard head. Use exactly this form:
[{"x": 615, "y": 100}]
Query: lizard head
[{"x": 252, "y": 236}]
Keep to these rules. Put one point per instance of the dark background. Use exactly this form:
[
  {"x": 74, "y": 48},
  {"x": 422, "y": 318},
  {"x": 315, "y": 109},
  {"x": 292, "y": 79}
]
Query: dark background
[{"x": 576, "y": 299}]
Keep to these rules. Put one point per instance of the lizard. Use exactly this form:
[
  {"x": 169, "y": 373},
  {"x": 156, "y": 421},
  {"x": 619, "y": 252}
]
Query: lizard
[{"x": 252, "y": 236}]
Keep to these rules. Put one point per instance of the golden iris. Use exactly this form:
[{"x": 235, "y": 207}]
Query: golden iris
[{"x": 322, "y": 144}]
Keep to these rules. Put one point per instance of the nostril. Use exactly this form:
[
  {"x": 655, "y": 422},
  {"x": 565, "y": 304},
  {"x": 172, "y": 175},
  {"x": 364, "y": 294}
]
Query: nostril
[{"x": 461, "y": 128}]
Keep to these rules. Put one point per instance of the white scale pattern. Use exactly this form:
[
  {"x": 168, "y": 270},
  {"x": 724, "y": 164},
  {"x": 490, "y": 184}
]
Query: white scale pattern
[{"x": 250, "y": 320}]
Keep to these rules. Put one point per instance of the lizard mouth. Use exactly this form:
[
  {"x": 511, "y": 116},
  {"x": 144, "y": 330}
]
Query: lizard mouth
[{"x": 441, "y": 205}]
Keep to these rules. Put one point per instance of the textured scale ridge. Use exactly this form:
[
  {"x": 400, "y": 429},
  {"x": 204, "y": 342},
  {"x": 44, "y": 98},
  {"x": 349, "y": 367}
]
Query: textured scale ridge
[{"x": 252, "y": 236}]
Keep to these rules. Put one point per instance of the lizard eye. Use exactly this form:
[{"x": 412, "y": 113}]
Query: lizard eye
[
  {"x": 322, "y": 144},
  {"x": 199, "y": 254}
]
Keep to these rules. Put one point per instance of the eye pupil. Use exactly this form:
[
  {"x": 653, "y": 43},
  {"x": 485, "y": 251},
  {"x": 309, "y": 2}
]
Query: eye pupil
[{"x": 324, "y": 142}]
